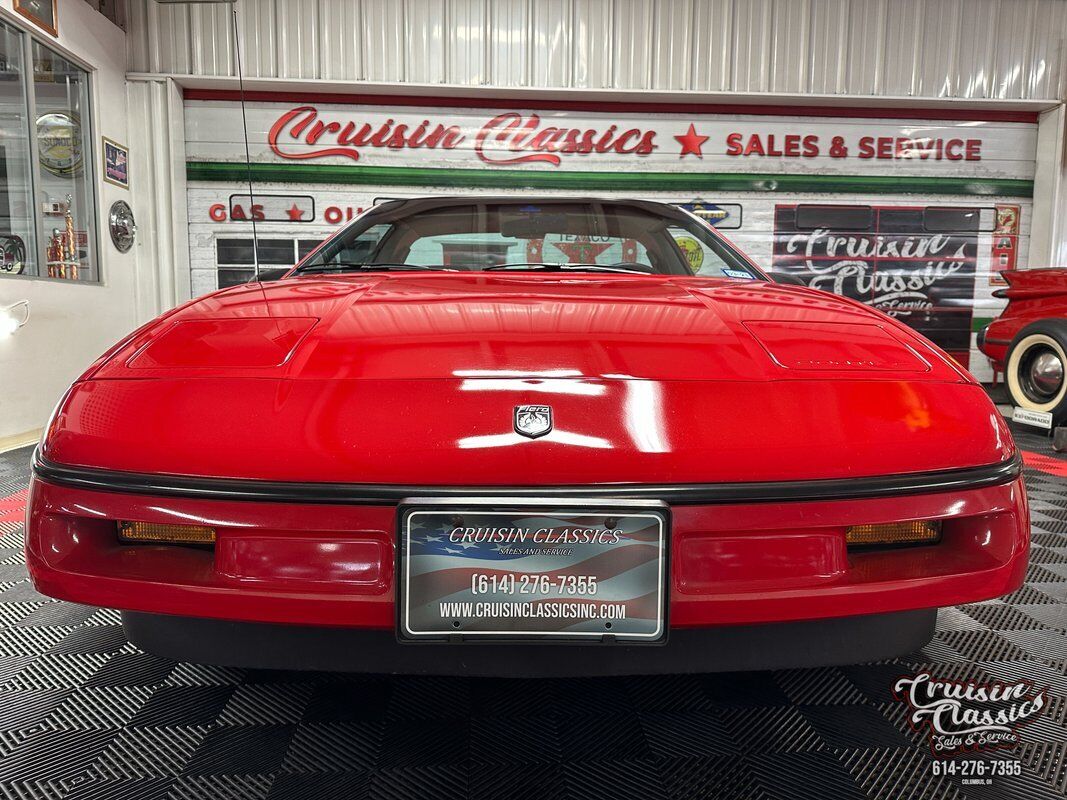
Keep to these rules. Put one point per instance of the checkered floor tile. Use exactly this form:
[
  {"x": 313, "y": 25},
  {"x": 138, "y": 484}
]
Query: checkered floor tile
[{"x": 83, "y": 714}]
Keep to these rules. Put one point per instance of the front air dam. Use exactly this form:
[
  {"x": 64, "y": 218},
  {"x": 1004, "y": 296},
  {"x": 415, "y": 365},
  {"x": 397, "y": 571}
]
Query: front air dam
[{"x": 729, "y": 648}]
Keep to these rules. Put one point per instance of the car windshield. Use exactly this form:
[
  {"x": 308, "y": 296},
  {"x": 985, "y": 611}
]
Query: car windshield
[{"x": 579, "y": 236}]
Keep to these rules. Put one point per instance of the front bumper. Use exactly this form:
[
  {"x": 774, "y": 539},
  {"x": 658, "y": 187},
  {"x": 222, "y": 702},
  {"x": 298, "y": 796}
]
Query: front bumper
[
  {"x": 732, "y": 563},
  {"x": 843, "y": 640}
]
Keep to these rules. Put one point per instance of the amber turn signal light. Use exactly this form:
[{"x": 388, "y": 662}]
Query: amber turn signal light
[
  {"x": 919, "y": 531},
  {"x": 164, "y": 533}
]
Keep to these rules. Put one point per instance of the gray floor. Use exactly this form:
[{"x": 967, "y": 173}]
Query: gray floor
[{"x": 83, "y": 714}]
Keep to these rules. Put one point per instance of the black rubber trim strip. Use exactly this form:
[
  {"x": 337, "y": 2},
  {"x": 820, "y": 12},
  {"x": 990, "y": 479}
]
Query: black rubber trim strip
[
  {"x": 997, "y": 341},
  {"x": 390, "y": 494},
  {"x": 772, "y": 645}
]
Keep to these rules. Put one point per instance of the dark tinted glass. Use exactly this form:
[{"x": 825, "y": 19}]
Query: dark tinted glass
[
  {"x": 957, "y": 220},
  {"x": 835, "y": 218},
  {"x": 239, "y": 251},
  {"x": 232, "y": 277},
  {"x": 532, "y": 234},
  {"x": 272, "y": 273},
  {"x": 277, "y": 251},
  {"x": 233, "y": 251}
]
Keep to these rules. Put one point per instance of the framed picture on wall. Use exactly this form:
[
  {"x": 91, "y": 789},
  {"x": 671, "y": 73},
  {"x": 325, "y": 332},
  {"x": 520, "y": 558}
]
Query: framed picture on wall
[
  {"x": 42, "y": 13},
  {"x": 116, "y": 163}
]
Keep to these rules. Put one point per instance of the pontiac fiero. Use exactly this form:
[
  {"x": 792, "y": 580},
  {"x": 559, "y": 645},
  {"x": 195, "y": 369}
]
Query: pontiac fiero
[{"x": 526, "y": 436}]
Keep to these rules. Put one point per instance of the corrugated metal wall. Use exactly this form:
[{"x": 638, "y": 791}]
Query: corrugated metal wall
[
  {"x": 1004, "y": 49},
  {"x": 157, "y": 164}
]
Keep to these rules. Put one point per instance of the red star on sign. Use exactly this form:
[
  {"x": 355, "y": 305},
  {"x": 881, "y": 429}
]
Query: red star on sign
[
  {"x": 582, "y": 251},
  {"x": 691, "y": 142},
  {"x": 295, "y": 213}
]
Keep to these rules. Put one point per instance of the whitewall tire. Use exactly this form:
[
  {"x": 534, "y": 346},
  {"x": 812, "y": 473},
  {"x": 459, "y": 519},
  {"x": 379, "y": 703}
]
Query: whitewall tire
[{"x": 1037, "y": 368}]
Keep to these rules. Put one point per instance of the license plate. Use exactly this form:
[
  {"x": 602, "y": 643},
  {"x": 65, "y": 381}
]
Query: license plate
[
  {"x": 548, "y": 572},
  {"x": 1039, "y": 419}
]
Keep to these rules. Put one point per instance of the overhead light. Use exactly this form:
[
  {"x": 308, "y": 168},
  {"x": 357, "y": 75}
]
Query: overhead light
[{"x": 11, "y": 319}]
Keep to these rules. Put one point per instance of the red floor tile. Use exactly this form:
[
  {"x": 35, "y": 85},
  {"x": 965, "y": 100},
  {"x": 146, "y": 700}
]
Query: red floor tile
[{"x": 13, "y": 507}]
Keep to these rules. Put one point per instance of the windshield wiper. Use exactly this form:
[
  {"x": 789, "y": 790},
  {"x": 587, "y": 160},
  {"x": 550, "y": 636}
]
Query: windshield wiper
[
  {"x": 319, "y": 269},
  {"x": 542, "y": 266},
  {"x": 354, "y": 267}
]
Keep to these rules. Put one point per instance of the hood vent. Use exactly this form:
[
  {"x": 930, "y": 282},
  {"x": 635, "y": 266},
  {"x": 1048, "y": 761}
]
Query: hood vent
[{"x": 835, "y": 347}]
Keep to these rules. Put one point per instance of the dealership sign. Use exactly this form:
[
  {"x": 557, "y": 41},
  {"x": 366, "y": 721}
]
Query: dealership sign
[
  {"x": 895, "y": 264},
  {"x": 570, "y": 140},
  {"x": 514, "y": 138}
]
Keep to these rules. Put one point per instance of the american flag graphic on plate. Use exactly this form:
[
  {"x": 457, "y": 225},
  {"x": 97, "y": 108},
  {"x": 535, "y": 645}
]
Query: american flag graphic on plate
[{"x": 532, "y": 572}]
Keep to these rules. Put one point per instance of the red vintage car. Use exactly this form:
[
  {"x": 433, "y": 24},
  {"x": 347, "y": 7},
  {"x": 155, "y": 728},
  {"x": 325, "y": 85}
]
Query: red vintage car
[
  {"x": 520, "y": 436},
  {"x": 1028, "y": 341}
]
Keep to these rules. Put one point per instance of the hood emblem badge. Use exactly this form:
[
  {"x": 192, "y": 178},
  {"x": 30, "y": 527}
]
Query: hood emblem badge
[{"x": 533, "y": 421}]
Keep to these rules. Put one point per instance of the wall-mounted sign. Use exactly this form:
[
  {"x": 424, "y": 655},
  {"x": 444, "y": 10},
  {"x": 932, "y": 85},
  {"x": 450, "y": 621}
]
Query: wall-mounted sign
[
  {"x": 692, "y": 250},
  {"x": 1004, "y": 253},
  {"x": 116, "y": 163},
  {"x": 719, "y": 215},
  {"x": 272, "y": 207},
  {"x": 894, "y": 263},
  {"x": 122, "y": 225},
  {"x": 59, "y": 143},
  {"x": 812, "y": 145},
  {"x": 238, "y": 209},
  {"x": 42, "y": 13},
  {"x": 623, "y": 141}
]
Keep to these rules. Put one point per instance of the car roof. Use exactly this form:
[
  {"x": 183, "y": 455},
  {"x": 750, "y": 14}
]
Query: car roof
[
  {"x": 437, "y": 201},
  {"x": 466, "y": 199}
]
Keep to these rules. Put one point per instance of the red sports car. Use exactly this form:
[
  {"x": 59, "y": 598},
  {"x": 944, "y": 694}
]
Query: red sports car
[
  {"x": 1028, "y": 341},
  {"x": 522, "y": 437}
]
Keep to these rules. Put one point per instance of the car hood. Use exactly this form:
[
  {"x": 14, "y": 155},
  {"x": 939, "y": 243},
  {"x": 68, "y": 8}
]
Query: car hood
[
  {"x": 414, "y": 380},
  {"x": 419, "y": 327}
]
